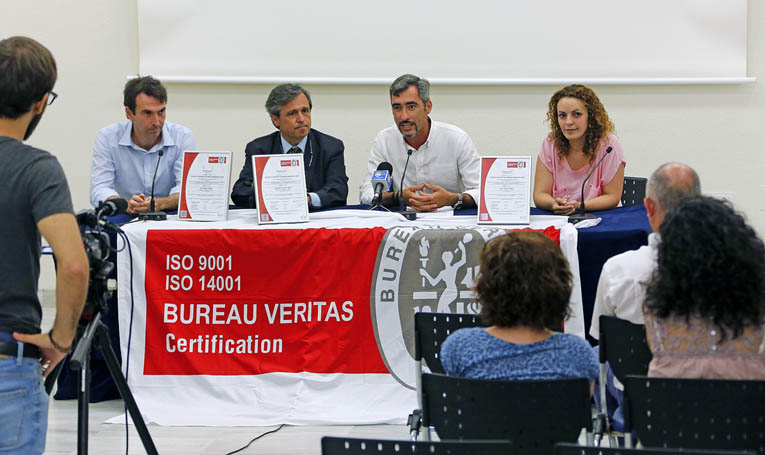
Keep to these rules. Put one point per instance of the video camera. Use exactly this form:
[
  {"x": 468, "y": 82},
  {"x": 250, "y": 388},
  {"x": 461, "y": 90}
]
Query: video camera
[
  {"x": 97, "y": 248},
  {"x": 91, "y": 331}
]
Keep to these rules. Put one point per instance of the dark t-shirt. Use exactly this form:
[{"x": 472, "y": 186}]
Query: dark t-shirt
[{"x": 32, "y": 187}]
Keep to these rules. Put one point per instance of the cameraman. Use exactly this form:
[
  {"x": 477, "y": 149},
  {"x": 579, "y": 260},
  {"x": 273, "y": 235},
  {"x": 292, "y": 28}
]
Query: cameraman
[{"x": 35, "y": 200}]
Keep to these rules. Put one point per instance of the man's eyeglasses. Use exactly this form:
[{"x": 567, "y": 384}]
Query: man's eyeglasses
[{"x": 52, "y": 97}]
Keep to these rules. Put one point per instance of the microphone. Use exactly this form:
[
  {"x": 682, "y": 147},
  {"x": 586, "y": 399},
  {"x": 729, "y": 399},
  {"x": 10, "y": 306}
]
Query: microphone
[
  {"x": 408, "y": 214},
  {"x": 151, "y": 214},
  {"x": 573, "y": 219},
  {"x": 95, "y": 218},
  {"x": 381, "y": 179},
  {"x": 111, "y": 207}
]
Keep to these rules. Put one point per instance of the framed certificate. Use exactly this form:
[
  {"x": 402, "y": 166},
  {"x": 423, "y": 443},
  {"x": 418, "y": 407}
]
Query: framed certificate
[
  {"x": 204, "y": 188},
  {"x": 505, "y": 190},
  {"x": 280, "y": 189}
]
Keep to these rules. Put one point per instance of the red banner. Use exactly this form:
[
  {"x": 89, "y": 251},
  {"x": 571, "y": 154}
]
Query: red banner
[
  {"x": 243, "y": 302},
  {"x": 551, "y": 232}
]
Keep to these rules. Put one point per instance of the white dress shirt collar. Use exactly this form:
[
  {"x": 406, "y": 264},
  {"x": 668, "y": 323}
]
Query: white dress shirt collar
[{"x": 286, "y": 145}]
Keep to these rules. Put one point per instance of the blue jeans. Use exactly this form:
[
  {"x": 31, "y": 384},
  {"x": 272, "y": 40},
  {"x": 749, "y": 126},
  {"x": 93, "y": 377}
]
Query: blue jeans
[{"x": 23, "y": 407}]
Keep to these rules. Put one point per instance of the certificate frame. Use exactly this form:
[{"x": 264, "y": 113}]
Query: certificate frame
[
  {"x": 505, "y": 190},
  {"x": 205, "y": 182},
  {"x": 280, "y": 188}
]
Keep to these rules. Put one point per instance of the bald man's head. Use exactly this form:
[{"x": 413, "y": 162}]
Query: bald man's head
[{"x": 667, "y": 187}]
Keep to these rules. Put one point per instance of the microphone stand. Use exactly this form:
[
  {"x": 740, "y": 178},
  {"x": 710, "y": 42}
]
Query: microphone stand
[
  {"x": 581, "y": 216},
  {"x": 153, "y": 215},
  {"x": 376, "y": 204},
  {"x": 408, "y": 214}
]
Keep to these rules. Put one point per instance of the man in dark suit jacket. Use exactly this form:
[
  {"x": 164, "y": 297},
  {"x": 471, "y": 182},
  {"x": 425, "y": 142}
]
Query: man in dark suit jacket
[{"x": 289, "y": 106}]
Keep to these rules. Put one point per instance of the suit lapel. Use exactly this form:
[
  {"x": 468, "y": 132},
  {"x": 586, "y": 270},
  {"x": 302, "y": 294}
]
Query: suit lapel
[
  {"x": 307, "y": 159},
  {"x": 310, "y": 146},
  {"x": 276, "y": 144}
]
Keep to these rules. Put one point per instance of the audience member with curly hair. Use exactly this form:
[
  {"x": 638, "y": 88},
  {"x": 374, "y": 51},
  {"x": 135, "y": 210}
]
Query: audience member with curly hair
[
  {"x": 580, "y": 134},
  {"x": 523, "y": 287},
  {"x": 705, "y": 303}
]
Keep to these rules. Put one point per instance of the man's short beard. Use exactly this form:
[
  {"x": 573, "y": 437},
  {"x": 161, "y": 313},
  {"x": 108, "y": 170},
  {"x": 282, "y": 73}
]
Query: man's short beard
[
  {"x": 32, "y": 125},
  {"x": 409, "y": 136}
]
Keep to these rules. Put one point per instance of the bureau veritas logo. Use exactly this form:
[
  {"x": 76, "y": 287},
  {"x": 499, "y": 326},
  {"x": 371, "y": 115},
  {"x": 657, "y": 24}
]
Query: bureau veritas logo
[{"x": 421, "y": 270}]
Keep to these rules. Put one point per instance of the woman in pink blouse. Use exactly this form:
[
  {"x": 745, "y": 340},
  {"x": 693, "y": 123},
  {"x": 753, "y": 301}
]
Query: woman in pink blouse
[{"x": 580, "y": 134}]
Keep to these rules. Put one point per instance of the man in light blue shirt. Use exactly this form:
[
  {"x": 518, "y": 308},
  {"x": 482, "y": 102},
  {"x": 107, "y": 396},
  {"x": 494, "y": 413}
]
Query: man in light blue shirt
[{"x": 125, "y": 154}]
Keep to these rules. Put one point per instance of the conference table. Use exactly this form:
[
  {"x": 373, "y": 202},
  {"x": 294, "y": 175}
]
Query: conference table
[{"x": 232, "y": 323}]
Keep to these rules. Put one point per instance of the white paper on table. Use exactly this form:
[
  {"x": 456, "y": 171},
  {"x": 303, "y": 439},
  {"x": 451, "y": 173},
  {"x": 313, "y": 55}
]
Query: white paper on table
[{"x": 588, "y": 223}]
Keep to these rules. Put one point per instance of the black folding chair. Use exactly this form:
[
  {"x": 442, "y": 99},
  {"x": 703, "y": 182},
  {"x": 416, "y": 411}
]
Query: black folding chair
[
  {"x": 532, "y": 415},
  {"x": 633, "y": 191},
  {"x": 623, "y": 345},
  {"x": 430, "y": 331},
  {"x": 352, "y": 446},
  {"x": 573, "y": 449},
  {"x": 696, "y": 413}
]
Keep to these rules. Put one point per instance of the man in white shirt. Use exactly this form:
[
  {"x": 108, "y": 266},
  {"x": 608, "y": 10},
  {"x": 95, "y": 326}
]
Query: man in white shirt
[
  {"x": 621, "y": 288},
  {"x": 444, "y": 165}
]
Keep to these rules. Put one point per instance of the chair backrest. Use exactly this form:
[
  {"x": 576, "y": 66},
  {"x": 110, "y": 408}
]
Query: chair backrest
[
  {"x": 623, "y": 345},
  {"x": 575, "y": 449},
  {"x": 430, "y": 331},
  {"x": 353, "y": 446},
  {"x": 633, "y": 191},
  {"x": 532, "y": 415},
  {"x": 696, "y": 413}
]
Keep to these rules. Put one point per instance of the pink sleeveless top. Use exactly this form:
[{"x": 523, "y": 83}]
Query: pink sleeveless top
[{"x": 568, "y": 182}]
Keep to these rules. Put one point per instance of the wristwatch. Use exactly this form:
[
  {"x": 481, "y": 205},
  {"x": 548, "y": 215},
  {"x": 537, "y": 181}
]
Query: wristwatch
[{"x": 458, "y": 205}]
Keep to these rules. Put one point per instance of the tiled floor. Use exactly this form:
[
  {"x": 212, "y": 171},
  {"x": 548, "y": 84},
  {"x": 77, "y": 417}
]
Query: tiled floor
[{"x": 109, "y": 439}]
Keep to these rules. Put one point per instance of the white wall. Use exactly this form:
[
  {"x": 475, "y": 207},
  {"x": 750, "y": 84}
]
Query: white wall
[
  {"x": 715, "y": 129},
  {"x": 466, "y": 44}
]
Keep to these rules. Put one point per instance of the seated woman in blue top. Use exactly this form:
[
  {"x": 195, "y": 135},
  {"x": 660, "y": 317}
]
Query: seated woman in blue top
[{"x": 524, "y": 287}]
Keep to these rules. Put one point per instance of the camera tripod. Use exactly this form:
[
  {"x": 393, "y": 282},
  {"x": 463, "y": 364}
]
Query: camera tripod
[
  {"x": 96, "y": 334},
  {"x": 93, "y": 332}
]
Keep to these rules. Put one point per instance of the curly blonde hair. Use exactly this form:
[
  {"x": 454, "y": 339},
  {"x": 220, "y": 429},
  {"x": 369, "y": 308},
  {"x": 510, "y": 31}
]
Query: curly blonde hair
[{"x": 599, "y": 125}]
